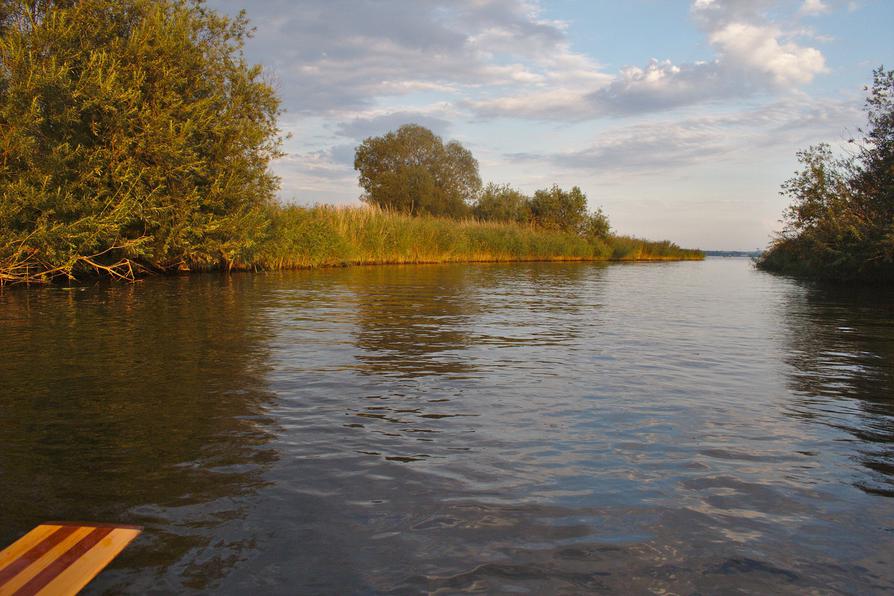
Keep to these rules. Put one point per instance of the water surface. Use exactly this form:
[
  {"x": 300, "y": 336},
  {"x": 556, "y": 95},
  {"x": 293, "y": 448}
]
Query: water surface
[{"x": 540, "y": 428}]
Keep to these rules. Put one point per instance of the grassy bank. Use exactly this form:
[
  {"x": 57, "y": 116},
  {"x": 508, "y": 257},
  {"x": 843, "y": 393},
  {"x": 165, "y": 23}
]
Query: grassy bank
[
  {"x": 94, "y": 184},
  {"x": 329, "y": 236},
  {"x": 326, "y": 236}
]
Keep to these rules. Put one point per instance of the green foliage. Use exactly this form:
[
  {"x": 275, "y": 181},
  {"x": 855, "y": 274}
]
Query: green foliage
[
  {"x": 503, "y": 203},
  {"x": 596, "y": 226},
  {"x": 413, "y": 171},
  {"x": 132, "y": 134},
  {"x": 551, "y": 208},
  {"x": 840, "y": 224},
  {"x": 556, "y": 209}
]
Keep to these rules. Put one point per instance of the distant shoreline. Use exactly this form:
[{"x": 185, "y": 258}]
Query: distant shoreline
[{"x": 733, "y": 253}]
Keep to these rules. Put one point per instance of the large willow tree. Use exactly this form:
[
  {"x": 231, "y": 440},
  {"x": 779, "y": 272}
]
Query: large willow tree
[
  {"x": 133, "y": 135},
  {"x": 412, "y": 170}
]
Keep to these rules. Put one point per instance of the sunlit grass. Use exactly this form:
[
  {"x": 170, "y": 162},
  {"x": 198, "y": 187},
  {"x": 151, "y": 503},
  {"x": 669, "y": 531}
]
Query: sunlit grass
[{"x": 321, "y": 236}]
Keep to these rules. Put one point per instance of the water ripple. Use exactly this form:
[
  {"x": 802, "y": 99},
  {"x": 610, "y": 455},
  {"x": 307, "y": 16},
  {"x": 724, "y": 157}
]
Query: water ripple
[{"x": 540, "y": 428}]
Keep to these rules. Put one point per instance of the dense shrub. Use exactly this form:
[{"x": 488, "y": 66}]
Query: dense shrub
[
  {"x": 557, "y": 209},
  {"x": 133, "y": 134},
  {"x": 840, "y": 224},
  {"x": 503, "y": 203}
]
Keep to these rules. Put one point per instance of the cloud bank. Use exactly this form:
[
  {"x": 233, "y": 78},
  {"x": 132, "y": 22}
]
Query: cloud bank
[{"x": 752, "y": 55}]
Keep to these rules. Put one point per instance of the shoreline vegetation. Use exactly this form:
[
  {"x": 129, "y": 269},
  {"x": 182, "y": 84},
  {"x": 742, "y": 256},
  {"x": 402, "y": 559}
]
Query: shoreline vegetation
[
  {"x": 321, "y": 236},
  {"x": 329, "y": 236},
  {"x": 840, "y": 225},
  {"x": 136, "y": 139}
]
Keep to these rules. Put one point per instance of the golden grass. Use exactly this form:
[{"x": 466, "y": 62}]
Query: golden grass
[{"x": 321, "y": 236}]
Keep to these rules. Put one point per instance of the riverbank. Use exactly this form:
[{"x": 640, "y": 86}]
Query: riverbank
[
  {"x": 327, "y": 236},
  {"x": 806, "y": 258},
  {"x": 839, "y": 227}
]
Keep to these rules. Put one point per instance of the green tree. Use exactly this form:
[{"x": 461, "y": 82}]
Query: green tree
[
  {"x": 596, "y": 226},
  {"x": 411, "y": 170},
  {"x": 816, "y": 191},
  {"x": 840, "y": 223},
  {"x": 132, "y": 134},
  {"x": 557, "y": 209},
  {"x": 502, "y": 203},
  {"x": 873, "y": 180}
]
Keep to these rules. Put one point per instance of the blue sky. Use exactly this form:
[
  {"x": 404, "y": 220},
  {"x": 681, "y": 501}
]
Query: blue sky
[{"x": 679, "y": 118}]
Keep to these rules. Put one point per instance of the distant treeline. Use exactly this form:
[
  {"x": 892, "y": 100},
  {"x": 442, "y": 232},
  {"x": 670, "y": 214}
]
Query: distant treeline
[
  {"x": 411, "y": 170},
  {"x": 840, "y": 225},
  {"x": 135, "y": 138}
]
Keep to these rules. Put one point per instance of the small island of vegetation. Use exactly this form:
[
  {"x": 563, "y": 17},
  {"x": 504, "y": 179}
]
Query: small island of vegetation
[
  {"x": 840, "y": 225},
  {"x": 135, "y": 138}
]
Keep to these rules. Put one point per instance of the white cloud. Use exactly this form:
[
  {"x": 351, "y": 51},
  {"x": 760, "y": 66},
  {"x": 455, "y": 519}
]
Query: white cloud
[
  {"x": 337, "y": 55},
  {"x": 752, "y": 55},
  {"x": 378, "y": 122},
  {"x": 814, "y": 7},
  {"x": 757, "y": 49},
  {"x": 657, "y": 146},
  {"x": 503, "y": 58}
]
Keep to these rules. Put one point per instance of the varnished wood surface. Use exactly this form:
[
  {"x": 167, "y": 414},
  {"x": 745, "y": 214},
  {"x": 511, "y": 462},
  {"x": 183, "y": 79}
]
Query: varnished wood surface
[{"x": 60, "y": 558}]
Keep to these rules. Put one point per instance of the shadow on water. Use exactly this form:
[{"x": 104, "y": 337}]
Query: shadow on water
[
  {"x": 137, "y": 404},
  {"x": 842, "y": 356}
]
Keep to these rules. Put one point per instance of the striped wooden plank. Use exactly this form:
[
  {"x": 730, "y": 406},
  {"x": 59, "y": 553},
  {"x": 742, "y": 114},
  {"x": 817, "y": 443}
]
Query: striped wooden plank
[{"x": 60, "y": 558}]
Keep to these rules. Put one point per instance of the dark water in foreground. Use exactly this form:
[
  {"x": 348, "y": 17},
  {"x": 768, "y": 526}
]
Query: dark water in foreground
[{"x": 542, "y": 428}]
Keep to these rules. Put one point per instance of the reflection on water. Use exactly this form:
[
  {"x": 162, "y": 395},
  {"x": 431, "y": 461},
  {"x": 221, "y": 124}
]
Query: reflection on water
[
  {"x": 144, "y": 407},
  {"x": 842, "y": 350},
  {"x": 414, "y": 322},
  {"x": 681, "y": 427}
]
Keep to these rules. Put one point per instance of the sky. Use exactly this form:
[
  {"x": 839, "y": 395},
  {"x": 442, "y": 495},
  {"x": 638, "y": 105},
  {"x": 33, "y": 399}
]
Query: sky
[{"x": 680, "y": 119}]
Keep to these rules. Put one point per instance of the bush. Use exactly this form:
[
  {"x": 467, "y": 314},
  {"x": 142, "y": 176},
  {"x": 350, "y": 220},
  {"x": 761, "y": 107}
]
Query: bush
[
  {"x": 503, "y": 203},
  {"x": 557, "y": 209},
  {"x": 596, "y": 226},
  {"x": 840, "y": 224},
  {"x": 134, "y": 135}
]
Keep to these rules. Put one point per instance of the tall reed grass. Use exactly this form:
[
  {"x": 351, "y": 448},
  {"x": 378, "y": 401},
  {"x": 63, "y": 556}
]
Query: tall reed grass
[
  {"x": 329, "y": 236},
  {"x": 306, "y": 237}
]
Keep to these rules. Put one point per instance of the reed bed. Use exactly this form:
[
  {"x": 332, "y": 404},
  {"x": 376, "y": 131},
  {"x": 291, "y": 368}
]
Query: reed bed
[{"x": 326, "y": 236}]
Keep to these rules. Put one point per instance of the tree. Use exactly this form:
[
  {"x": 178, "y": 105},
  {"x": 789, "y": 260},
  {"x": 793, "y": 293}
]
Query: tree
[
  {"x": 840, "y": 223},
  {"x": 503, "y": 203},
  {"x": 133, "y": 134},
  {"x": 596, "y": 226},
  {"x": 815, "y": 191},
  {"x": 413, "y": 171},
  {"x": 873, "y": 180},
  {"x": 557, "y": 209}
]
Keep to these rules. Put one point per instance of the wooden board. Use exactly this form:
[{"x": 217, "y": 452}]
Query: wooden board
[{"x": 59, "y": 558}]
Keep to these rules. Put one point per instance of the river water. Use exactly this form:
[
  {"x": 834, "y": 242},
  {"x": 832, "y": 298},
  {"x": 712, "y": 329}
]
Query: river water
[{"x": 528, "y": 428}]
